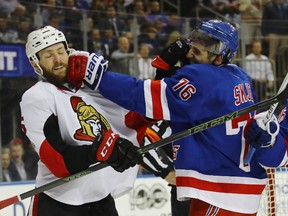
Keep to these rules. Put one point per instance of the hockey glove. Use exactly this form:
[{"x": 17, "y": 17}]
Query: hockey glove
[
  {"x": 87, "y": 68},
  {"x": 261, "y": 135},
  {"x": 171, "y": 54},
  {"x": 118, "y": 152}
]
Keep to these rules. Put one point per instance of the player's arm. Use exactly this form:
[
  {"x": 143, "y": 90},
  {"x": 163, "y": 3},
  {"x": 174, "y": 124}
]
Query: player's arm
[
  {"x": 89, "y": 68},
  {"x": 63, "y": 159},
  {"x": 158, "y": 161}
]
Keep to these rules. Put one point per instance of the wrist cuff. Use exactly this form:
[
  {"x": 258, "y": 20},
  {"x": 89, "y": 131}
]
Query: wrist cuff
[{"x": 159, "y": 63}]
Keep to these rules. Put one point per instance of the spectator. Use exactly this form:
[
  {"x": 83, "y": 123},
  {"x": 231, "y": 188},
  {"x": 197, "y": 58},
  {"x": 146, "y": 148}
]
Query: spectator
[
  {"x": 130, "y": 38},
  {"x": 31, "y": 160},
  {"x": 17, "y": 152},
  {"x": 24, "y": 28},
  {"x": 7, "y": 35},
  {"x": 161, "y": 33},
  {"x": 72, "y": 18},
  {"x": 16, "y": 16},
  {"x": 109, "y": 41},
  {"x": 95, "y": 44},
  {"x": 55, "y": 20},
  {"x": 120, "y": 58},
  {"x": 149, "y": 36},
  {"x": 113, "y": 21},
  {"x": 228, "y": 8},
  {"x": 138, "y": 9},
  {"x": 173, "y": 37},
  {"x": 175, "y": 23},
  {"x": 250, "y": 16},
  {"x": 142, "y": 67},
  {"x": 259, "y": 68},
  {"x": 8, "y": 6},
  {"x": 120, "y": 6},
  {"x": 49, "y": 10},
  {"x": 97, "y": 11},
  {"x": 275, "y": 26},
  {"x": 9, "y": 173},
  {"x": 83, "y": 4},
  {"x": 154, "y": 13}
]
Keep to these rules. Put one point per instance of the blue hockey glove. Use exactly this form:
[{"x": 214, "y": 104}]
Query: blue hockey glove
[
  {"x": 261, "y": 135},
  {"x": 87, "y": 68},
  {"x": 118, "y": 152}
]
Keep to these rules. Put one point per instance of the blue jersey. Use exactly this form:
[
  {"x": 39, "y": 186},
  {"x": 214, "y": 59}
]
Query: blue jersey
[{"x": 209, "y": 165}]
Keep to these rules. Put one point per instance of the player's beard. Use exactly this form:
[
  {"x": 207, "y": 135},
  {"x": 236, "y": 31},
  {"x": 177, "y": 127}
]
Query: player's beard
[{"x": 58, "y": 79}]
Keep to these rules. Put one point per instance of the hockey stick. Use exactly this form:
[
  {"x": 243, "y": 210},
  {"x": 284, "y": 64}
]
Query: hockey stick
[
  {"x": 214, "y": 122},
  {"x": 268, "y": 116}
]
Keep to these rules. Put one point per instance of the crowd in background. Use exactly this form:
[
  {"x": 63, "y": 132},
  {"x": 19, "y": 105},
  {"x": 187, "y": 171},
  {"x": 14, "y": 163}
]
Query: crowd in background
[
  {"x": 111, "y": 32},
  {"x": 19, "y": 162},
  {"x": 107, "y": 20}
]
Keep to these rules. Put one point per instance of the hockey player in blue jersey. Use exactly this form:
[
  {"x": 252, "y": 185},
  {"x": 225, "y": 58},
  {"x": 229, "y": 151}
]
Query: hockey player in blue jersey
[{"x": 210, "y": 169}]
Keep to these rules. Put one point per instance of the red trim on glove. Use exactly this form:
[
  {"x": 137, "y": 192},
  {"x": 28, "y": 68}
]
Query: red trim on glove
[
  {"x": 107, "y": 145},
  {"x": 159, "y": 63}
]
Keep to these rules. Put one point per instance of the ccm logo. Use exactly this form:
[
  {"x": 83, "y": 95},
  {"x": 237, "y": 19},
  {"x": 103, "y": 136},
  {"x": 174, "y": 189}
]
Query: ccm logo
[
  {"x": 110, "y": 142},
  {"x": 91, "y": 66}
]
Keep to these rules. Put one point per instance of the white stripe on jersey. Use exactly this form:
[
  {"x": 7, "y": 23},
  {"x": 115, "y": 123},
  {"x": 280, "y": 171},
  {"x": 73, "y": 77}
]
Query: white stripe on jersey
[{"x": 149, "y": 103}]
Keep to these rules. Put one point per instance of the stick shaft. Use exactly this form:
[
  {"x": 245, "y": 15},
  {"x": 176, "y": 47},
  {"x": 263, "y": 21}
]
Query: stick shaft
[
  {"x": 213, "y": 122},
  {"x": 144, "y": 149}
]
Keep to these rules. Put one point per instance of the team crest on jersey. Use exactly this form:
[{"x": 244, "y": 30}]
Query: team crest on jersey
[{"x": 91, "y": 121}]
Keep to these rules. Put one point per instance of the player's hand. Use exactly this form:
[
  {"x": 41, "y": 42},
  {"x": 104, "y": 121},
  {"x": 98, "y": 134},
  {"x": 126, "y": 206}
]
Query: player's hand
[
  {"x": 171, "y": 178},
  {"x": 118, "y": 152},
  {"x": 87, "y": 68},
  {"x": 171, "y": 54},
  {"x": 261, "y": 135}
]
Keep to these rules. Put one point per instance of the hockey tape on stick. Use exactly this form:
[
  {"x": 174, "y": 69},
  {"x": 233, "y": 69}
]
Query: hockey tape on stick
[
  {"x": 214, "y": 122},
  {"x": 268, "y": 117}
]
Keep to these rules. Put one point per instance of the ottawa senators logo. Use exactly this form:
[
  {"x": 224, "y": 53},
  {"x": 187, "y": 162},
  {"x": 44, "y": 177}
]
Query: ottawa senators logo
[{"x": 92, "y": 122}]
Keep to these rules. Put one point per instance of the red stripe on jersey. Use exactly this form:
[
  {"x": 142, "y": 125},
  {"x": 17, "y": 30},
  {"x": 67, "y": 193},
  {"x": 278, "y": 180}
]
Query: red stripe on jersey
[
  {"x": 156, "y": 99},
  {"x": 35, "y": 205},
  {"x": 53, "y": 160},
  {"x": 219, "y": 187}
]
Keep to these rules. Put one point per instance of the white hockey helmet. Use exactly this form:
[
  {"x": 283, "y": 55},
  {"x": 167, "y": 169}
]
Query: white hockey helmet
[{"x": 42, "y": 38}]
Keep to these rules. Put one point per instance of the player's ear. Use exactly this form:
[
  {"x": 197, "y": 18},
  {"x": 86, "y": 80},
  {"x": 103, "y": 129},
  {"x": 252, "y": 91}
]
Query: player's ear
[
  {"x": 35, "y": 66},
  {"x": 218, "y": 60}
]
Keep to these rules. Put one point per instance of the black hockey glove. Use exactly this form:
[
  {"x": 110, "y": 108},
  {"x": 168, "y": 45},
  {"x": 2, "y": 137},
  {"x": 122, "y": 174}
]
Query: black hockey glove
[
  {"x": 118, "y": 152},
  {"x": 175, "y": 52}
]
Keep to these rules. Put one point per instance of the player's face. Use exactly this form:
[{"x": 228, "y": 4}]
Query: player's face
[
  {"x": 197, "y": 54},
  {"x": 54, "y": 63}
]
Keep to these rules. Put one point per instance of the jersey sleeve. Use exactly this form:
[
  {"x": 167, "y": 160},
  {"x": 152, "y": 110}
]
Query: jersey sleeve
[{"x": 160, "y": 99}]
